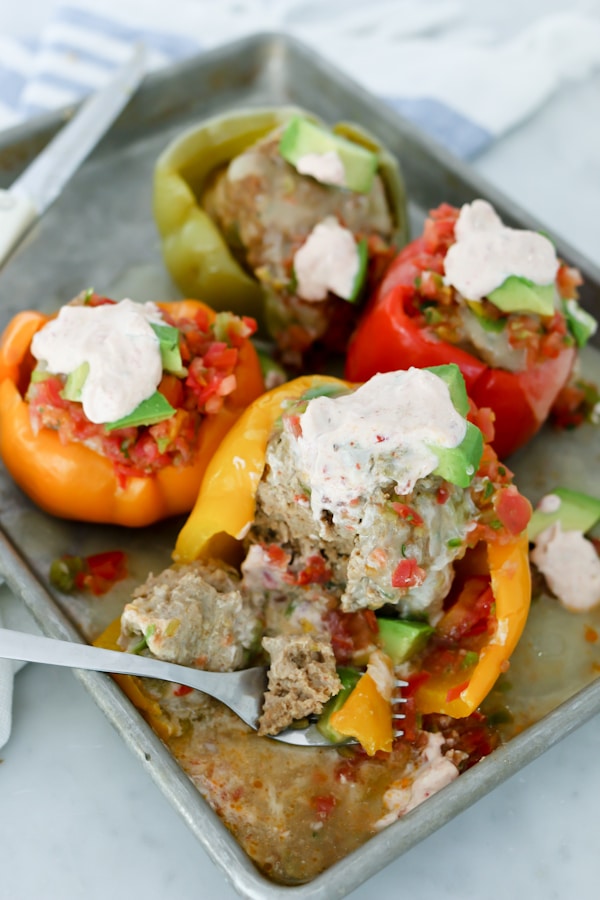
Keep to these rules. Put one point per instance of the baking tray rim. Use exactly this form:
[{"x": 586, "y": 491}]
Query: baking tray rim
[{"x": 347, "y": 874}]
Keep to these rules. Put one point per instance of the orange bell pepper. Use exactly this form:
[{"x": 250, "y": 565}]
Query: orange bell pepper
[{"x": 72, "y": 480}]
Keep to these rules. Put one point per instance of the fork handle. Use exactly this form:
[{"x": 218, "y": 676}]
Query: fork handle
[
  {"x": 38, "y": 649},
  {"x": 17, "y": 213}
]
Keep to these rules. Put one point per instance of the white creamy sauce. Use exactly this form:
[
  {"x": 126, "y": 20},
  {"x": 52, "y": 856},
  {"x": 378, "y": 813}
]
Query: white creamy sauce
[
  {"x": 327, "y": 167},
  {"x": 570, "y": 565},
  {"x": 487, "y": 252},
  {"x": 549, "y": 504},
  {"x": 434, "y": 772},
  {"x": 382, "y": 432},
  {"x": 327, "y": 261},
  {"x": 118, "y": 344}
]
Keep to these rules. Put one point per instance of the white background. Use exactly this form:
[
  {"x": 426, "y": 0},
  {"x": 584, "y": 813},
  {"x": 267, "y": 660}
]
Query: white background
[{"x": 80, "y": 819}]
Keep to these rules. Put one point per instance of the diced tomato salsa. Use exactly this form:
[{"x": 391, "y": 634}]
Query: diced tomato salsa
[{"x": 96, "y": 573}]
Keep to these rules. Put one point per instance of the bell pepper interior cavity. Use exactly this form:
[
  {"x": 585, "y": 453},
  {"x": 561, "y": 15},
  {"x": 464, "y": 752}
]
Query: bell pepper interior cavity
[{"x": 329, "y": 158}]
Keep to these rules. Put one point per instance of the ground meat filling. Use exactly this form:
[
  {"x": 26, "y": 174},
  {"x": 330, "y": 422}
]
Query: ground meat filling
[
  {"x": 362, "y": 562},
  {"x": 302, "y": 677},
  {"x": 195, "y": 615},
  {"x": 266, "y": 210}
]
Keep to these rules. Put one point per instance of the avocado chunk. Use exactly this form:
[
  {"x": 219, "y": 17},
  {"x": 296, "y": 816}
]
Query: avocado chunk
[
  {"x": 451, "y": 374},
  {"x": 349, "y": 678},
  {"x": 170, "y": 355},
  {"x": 302, "y": 137},
  {"x": 577, "y": 512},
  {"x": 581, "y": 324},
  {"x": 40, "y": 373},
  {"x": 458, "y": 464},
  {"x": 521, "y": 295},
  {"x": 74, "y": 383},
  {"x": 149, "y": 412},
  {"x": 402, "y": 638},
  {"x": 361, "y": 274}
]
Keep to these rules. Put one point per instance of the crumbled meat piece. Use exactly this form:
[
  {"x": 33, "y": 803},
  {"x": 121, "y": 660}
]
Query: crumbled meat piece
[
  {"x": 302, "y": 677},
  {"x": 194, "y": 615}
]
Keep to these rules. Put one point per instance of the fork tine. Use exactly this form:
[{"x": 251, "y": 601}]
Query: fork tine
[{"x": 397, "y": 698}]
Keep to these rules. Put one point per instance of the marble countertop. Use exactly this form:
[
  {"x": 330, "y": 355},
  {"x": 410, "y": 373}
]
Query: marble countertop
[{"x": 82, "y": 819}]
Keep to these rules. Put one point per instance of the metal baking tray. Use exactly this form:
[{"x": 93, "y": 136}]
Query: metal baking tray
[{"x": 100, "y": 232}]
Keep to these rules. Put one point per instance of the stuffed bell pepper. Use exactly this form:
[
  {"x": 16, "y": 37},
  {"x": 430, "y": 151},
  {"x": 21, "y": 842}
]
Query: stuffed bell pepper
[
  {"x": 283, "y": 219},
  {"x": 352, "y": 537},
  {"x": 494, "y": 300},
  {"x": 110, "y": 411}
]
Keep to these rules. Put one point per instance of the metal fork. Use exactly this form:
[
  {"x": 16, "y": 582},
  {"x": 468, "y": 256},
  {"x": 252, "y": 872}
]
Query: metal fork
[{"x": 241, "y": 691}]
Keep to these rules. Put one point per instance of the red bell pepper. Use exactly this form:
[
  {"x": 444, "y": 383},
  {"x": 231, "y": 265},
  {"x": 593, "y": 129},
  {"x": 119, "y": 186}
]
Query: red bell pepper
[{"x": 393, "y": 333}]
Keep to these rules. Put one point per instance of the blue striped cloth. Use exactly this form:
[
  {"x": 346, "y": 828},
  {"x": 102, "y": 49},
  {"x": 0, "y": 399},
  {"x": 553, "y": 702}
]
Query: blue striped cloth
[
  {"x": 75, "y": 54},
  {"x": 461, "y": 86},
  {"x": 445, "y": 81}
]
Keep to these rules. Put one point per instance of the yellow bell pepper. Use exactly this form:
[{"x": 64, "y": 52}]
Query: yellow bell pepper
[{"x": 224, "y": 509}]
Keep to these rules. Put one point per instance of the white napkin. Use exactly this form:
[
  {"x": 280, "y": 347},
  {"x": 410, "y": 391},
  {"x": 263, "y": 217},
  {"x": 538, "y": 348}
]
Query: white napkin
[
  {"x": 463, "y": 86},
  {"x": 13, "y": 614}
]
